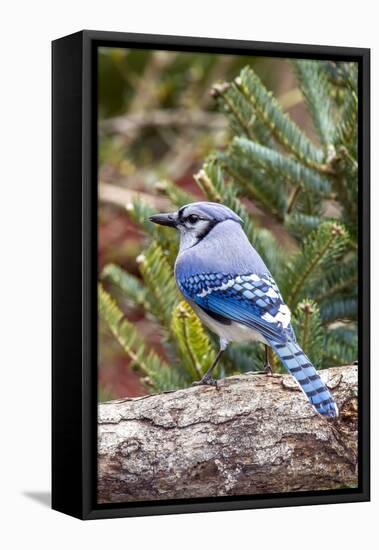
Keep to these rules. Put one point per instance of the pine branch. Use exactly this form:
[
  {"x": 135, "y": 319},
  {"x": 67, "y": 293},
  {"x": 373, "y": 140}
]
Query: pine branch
[
  {"x": 309, "y": 331},
  {"x": 341, "y": 345},
  {"x": 158, "y": 278},
  {"x": 129, "y": 285},
  {"x": 346, "y": 129},
  {"x": 316, "y": 89},
  {"x": 339, "y": 278},
  {"x": 177, "y": 196},
  {"x": 285, "y": 131},
  {"x": 278, "y": 166},
  {"x": 255, "y": 185},
  {"x": 348, "y": 72},
  {"x": 238, "y": 110},
  {"x": 242, "y": 118},
  {"x": 195, "y": 347},
  {"x": 346, "y": 191},
  {"x": 341, "y": 307},
  {"x": 160, "y": 376},
  {"x": 320, "y": 250},
  {"x": 299, "y": 224}
]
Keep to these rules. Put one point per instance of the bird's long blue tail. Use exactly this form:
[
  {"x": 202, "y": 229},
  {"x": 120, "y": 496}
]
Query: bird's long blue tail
[{"x": 298, "y": 364}]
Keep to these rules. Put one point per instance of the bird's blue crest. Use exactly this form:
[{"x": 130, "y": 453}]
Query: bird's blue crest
[{"x": 211, "y": 210}]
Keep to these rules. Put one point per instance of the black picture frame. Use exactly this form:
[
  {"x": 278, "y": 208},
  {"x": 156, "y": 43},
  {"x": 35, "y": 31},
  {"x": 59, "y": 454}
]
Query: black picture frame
[{"x": 74, "y": 272}]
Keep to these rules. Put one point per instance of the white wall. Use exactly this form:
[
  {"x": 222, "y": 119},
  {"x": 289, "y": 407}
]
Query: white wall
[{"x": 27, "y": 29}]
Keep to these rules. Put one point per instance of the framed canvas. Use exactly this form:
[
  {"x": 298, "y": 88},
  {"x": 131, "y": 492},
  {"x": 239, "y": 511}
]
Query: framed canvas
[{"x": 210, "y": 275}]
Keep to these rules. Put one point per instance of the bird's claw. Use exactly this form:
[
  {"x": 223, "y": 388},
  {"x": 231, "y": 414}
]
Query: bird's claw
[
  {"x": 267, "y": 369},
  {"x": 206, "y": 382}
]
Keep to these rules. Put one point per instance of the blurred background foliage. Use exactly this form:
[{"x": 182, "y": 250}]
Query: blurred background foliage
[{"x": 276, "y": 140}]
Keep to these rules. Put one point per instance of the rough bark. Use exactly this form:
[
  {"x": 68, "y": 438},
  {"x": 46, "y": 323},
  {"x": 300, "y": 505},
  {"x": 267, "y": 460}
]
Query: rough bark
[{"x": 255, "y": 434}]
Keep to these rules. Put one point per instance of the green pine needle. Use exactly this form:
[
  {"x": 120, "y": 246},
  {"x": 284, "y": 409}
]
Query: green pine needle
[
  {"x": 283, "y": 129},
  {"x": 159, "y": 375},
  {"x": 157, "y": 274},
  {"x": 309, "y": 330},
  {"x": 316, "y": 89},
  {"x": 195, "y": 348},
  {"x": 279, "y": 167},
  {"x": 128, "y": 285},
  {"x": 320, "y": 251}
]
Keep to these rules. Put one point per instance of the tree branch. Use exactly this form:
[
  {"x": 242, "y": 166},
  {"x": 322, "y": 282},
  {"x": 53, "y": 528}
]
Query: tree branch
[
  {"x": 124, "y": 125},
  {"x": 121, "y": 196},
  {"x": 255, "y": 434}
]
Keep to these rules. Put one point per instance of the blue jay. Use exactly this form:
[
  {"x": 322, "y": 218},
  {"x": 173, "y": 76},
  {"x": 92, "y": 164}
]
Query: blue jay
[{"x": 230, "y": 288}]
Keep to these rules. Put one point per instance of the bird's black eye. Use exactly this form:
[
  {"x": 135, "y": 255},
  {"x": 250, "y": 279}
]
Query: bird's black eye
[{"x": 193, "y": 218}]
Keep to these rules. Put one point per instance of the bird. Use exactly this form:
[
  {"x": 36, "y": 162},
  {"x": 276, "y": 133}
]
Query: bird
[{"x": 230, "y": 288}]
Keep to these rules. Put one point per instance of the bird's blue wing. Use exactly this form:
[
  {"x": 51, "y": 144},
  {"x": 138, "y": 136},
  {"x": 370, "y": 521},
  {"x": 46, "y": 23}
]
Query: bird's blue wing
[
  {"x": 250, "y": 299},
  {"x": 255, "y": 301}
]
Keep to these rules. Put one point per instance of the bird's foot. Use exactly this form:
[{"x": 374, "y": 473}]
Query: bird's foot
[
  {"x": 267, "y": 369},
  {"x": 206, "y": 381}
]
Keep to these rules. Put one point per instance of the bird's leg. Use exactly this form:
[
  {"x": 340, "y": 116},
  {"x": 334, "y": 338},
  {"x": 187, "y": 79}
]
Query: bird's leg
[
  {"x": 207, "y": 378},
  {"x": 267, "y": 368}
]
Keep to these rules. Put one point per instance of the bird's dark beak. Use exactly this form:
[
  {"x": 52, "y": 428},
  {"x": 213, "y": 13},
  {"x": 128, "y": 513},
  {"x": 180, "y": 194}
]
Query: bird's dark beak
[{"x": 164, "y": 219}]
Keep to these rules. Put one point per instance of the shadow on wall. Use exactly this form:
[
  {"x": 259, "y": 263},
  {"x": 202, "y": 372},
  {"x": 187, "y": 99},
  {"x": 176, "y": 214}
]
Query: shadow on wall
[{"x": 42, "y": 497}]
